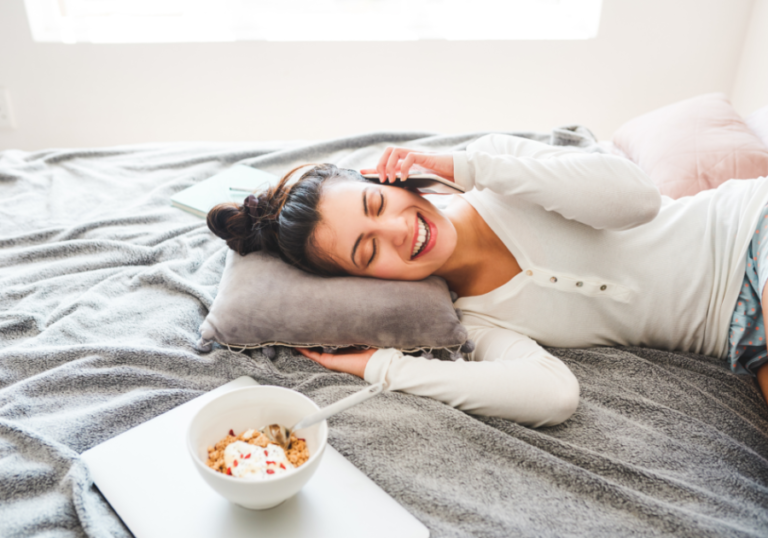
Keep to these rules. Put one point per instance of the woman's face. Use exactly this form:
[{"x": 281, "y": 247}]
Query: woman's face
[{"x": 381, "y": 231}]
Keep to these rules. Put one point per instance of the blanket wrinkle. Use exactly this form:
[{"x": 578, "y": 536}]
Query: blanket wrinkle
[
  {"x": 103, "y": 286},
  {"x": 94, "y": 514}
]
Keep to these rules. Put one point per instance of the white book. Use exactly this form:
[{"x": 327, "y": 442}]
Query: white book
[{"x": 231, "y": 185}]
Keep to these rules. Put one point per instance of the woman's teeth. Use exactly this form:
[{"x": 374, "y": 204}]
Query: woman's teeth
[{"x": 423, "y": 238}]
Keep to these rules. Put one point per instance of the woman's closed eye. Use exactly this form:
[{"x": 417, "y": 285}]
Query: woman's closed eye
[
  {"x": 374, "y": 243},
  {"x": 369, "y": 209},
  {"x": 373, "y": 253},
  {"x": 381, "y": 204},
  {"x": 369, "y": 202}
]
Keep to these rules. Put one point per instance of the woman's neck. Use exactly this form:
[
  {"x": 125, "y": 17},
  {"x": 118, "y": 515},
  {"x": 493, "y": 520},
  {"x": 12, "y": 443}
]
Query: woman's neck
[
  {"x": 466, "y": 259},
  {"x": 480, "y": 262}
]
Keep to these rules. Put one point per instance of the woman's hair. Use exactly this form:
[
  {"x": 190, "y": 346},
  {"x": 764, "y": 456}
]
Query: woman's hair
[{"x": 282, "y": 219}]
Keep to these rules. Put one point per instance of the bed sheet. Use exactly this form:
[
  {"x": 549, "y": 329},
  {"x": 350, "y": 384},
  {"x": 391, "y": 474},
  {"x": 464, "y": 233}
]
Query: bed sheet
[{"x": 103, "y": 286}]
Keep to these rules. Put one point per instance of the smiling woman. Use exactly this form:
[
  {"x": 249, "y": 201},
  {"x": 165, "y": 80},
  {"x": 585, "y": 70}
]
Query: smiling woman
[{"x": 547, "y": 247}]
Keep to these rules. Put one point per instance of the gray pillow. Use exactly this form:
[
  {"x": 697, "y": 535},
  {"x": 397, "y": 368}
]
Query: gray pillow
[{"x": 263, "y": 301}]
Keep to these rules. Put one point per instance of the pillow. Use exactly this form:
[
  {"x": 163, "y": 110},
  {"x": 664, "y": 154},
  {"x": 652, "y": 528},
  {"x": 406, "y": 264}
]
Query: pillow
[
  {"x": 263, "y": 301},
  {"x": 758, "y": 122},
  {"x": 693, "y": 145}
]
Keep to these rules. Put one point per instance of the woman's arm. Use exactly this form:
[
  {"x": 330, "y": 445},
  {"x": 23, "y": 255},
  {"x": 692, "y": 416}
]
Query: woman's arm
[
  {"x": 516, "y": 378},
  {"x": 603, "y": 191}
]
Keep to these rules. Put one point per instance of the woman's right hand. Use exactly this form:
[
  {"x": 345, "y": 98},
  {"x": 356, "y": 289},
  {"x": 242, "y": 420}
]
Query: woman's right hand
[
  {"x": 395, "y": 160},
  {"x": 350, "y": 361}
]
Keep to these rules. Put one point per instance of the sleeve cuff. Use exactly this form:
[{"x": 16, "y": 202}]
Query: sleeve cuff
[
  {"x": 461, "y": 174},
  {"x": 378, "y": 365}
]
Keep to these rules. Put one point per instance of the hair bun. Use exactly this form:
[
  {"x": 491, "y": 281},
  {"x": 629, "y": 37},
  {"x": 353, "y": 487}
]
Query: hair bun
[
  {"x": 219, "y": 220},
  {"x": 246, "y": 227}
]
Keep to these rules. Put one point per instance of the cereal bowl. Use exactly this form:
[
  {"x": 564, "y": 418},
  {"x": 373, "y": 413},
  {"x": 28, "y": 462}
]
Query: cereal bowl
[{"x": 253, "y": 408}]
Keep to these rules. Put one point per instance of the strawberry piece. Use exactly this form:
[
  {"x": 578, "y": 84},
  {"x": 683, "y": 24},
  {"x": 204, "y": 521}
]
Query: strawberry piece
[
  {"x": 232, "y": 433},
  {"x": 246, "y": 456},
  {"x": 235, "y": 464},
  {"x": 271, "y": 462},
  {"x": 266, "y": 453},
  {"x": 270, "y": 471},
  {"x": 229, "y": 471},
  {"x": 282, "y": 466}
]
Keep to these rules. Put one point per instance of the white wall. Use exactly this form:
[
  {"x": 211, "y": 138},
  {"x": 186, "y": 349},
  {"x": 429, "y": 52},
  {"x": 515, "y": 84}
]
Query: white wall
[
  {"x": 648, "y": 53},
  {"x": 750, "y": 90}
]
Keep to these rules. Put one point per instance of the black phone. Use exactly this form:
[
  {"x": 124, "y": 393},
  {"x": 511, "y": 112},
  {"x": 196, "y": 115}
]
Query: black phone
[{"x": 423, "y": 182}]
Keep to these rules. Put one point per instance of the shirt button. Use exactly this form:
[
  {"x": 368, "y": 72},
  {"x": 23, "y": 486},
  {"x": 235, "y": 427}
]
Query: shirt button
[
  {"x": 553, "y": 279},
  {"x": 579, "y": 284},
  {"x": 529, "y": 272},
  {"x": 603, "y": 287}
]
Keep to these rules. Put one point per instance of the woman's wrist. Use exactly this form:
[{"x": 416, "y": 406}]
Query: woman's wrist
[
  {"x": 378, "y": 364},
  {"x": 461, "y": 172}
]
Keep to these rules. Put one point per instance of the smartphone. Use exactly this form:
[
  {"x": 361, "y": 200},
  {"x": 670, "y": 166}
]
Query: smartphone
[{"x": 423, "y": 182}]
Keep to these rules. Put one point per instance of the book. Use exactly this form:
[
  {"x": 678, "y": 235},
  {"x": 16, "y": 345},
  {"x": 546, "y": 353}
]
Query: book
[
  {"x": 230, "y": 185},
  {"x": 423, "y": 182}
]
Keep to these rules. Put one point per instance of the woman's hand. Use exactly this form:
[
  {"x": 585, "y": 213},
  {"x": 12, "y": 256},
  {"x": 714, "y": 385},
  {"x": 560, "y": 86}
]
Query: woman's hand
[
  {"x": 349, "y": 361},
  {"x": 395, "y": 160}
]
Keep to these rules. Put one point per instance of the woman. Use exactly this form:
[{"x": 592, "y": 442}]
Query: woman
[{"x": 549, "y": 246}]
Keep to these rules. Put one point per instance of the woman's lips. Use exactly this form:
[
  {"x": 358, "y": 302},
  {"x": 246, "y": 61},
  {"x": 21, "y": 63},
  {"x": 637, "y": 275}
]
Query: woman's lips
[{"x": 432, "y": 237}]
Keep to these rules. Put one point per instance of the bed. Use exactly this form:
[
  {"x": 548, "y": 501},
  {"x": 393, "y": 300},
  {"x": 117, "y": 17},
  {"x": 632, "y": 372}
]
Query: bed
[{"x": 103, "y": 286}]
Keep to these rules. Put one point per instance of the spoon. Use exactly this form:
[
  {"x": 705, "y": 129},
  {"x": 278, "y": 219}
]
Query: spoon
[{"x": 280, "y": 435}]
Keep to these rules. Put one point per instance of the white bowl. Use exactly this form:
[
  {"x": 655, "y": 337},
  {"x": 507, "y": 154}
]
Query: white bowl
[{"x": 255, "y": 407}]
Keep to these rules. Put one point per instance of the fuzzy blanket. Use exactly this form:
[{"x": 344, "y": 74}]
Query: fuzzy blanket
[{"x": 103, "y": 286}]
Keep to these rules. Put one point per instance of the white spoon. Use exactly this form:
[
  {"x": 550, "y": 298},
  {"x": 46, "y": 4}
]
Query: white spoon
[{"x": 280, "y": 435}]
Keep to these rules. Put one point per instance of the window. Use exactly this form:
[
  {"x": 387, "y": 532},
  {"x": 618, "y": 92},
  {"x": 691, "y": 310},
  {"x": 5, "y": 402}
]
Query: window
[{"x": 177, "y": 21}]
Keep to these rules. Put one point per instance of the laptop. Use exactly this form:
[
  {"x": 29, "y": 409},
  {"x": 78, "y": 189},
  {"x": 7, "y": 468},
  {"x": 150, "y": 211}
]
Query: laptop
[{"x": 146, "y": 474}]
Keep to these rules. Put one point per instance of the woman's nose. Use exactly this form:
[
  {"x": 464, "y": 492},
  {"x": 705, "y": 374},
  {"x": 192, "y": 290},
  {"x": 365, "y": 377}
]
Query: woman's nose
[{"x": 395, "y": 229}]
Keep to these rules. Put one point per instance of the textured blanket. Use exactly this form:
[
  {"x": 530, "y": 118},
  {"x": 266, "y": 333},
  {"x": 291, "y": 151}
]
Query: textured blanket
[{"x": 103, "y": 286}]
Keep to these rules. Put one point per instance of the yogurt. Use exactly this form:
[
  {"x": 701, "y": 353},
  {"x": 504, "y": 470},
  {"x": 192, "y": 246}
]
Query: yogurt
[{"x": 245, "y": 460}]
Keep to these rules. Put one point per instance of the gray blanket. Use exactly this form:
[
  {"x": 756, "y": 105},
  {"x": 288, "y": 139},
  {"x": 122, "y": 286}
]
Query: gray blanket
[{"x": 103, "y": 286}]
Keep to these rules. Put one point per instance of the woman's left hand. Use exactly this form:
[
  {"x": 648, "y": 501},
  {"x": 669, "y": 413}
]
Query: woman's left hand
[
  {"x": 349, "y": 361},
  {"x": 397, "y": 160}
]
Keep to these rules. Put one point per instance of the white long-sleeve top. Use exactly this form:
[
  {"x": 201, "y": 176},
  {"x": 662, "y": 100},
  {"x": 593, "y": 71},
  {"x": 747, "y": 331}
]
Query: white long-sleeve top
[{"x": 606, "y": 260}]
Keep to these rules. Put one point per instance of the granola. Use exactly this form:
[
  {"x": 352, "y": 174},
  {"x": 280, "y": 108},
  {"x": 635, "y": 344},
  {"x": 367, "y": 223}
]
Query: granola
[{"x": 251, "y": 455}]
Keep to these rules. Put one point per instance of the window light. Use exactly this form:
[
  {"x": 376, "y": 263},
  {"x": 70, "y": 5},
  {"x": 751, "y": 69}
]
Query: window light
[{"x": 177, "y": 21}]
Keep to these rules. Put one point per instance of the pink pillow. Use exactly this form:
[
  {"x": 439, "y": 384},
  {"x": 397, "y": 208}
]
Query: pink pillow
[
  {"x": 693, "y": 145},
  {"x": 758, "y": 122}
]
